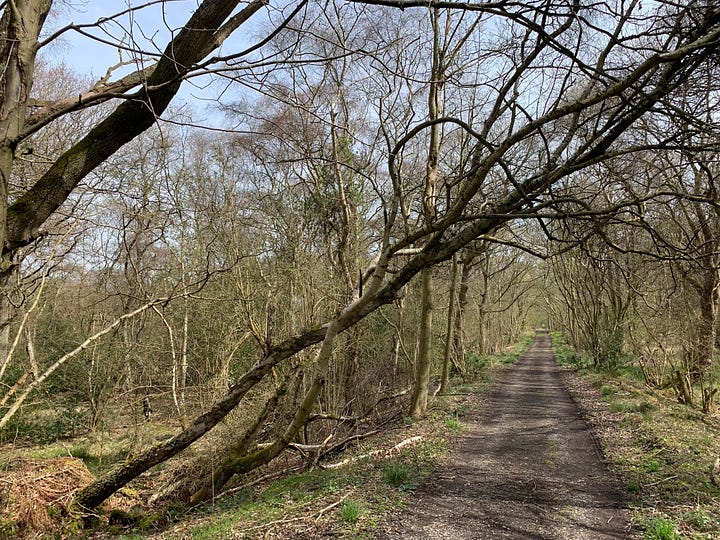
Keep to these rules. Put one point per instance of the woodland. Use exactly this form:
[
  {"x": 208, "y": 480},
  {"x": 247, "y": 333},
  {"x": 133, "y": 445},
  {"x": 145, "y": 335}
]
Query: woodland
[{"x": 355, "y": 202}]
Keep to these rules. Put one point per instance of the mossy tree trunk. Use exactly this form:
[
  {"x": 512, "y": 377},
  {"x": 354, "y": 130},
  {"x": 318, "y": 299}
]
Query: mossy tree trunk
[
  {"x": 235, "y": 458},
  {"x": 423, "y": 362},
  {"x": 20, "y": 29}
]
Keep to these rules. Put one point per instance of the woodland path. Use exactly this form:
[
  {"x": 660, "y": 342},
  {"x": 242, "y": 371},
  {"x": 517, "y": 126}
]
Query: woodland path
[{"x": 527, "y": 467}]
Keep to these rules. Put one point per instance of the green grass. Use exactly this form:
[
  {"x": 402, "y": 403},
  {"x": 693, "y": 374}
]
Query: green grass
[
  {"x": 659, "y": 528},
  {"x": 220, "y": 528},
  {"x": 351, "y": 510},
  {"x": 396, "y": 474},
  {"x": 454, "y": 425},
  {"x": 516, "y": 351},
  {"x": 702, "y": 521},
  {"x": 564, "y": 354},
  {"x": 642, "y": 407},
  {"x": 664, "y": 451},
  {"x": 377, "y": 489},
  {"x": 477, "y": 365}
]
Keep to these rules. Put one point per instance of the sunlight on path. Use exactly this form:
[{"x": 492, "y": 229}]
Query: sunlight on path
[{"x": 527, "y": 468}]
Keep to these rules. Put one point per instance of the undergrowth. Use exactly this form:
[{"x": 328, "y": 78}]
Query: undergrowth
[{"x": 348, "y": 501}]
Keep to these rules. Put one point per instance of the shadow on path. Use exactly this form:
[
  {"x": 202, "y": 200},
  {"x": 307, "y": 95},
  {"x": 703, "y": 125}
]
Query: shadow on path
[{"x": 528, "y": 467}]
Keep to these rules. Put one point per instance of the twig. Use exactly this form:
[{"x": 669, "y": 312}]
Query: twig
[
  {"x": 331, "y": 506},
  {"x": 337, "y": 447},
  {"x": 317, "y": 515},
  {"x": 663, "y": 480}
]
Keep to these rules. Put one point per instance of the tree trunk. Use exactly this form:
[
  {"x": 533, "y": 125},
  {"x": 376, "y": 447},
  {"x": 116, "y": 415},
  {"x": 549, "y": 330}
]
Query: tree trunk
[
  {"x": 245, "y": 463},
  {"x": 701, "y": 358},
  {"x": 418, "y": 402},
  {"x": 458, "y": 337},
  {"x": 229, "y": 467},
  {"x": 450, "y": 327},
  {"x": 422, "y": 366}
]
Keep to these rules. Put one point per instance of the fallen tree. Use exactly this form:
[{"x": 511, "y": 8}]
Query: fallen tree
[{"x": 582, "y": 123}]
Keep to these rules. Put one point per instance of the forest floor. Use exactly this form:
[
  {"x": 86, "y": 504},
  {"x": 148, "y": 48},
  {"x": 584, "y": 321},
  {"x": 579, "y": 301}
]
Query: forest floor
[
  {"x": 511, "y": 453},
  {"x": 527, "y": 467}
]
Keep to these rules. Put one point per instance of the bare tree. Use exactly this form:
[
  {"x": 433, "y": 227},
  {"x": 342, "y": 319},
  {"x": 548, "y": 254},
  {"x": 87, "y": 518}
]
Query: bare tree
[{"x": 558, "y": 92}]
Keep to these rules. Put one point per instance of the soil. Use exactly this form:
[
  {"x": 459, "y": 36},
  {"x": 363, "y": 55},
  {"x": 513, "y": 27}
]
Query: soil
[{"x": 528, "y": 467}]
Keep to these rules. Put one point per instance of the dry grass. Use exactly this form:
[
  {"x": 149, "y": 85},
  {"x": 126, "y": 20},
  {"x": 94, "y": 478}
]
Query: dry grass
[
  {"x": 34, "y": 493},
  {"x": 36, "y": 497}
]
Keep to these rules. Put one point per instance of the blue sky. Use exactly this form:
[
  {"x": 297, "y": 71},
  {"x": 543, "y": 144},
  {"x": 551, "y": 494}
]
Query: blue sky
[{"x": 150, "y": 29}]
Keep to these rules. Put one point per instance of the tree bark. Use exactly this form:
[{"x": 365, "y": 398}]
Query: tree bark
[
  {"x": 458, "y": 337},
  {"x": 418, "y": 402},
  {"x": 450, "y": 327},
  {"x": 229, "y": 467},
  {"x": 701, "y": 358},
  {"x": 422, "y": 366}
]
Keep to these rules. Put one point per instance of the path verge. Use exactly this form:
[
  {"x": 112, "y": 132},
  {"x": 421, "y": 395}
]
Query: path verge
[{"x": 527, "y": 467}]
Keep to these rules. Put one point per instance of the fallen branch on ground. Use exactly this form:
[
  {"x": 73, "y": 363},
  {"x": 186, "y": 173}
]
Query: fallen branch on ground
[
  {"x": 340, "y": 446},
  {"x": 370, "y": 410},
  {"x": 402, "y": 444}
]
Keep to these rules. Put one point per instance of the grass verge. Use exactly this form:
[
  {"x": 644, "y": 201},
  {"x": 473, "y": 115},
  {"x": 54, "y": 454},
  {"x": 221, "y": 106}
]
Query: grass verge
[{"x": 664, "y": 452}]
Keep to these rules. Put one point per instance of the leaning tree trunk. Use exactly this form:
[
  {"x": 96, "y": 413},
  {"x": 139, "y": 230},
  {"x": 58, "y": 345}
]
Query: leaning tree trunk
[
  {"x": 96, "y": 492},
  {"x": 235, "y": 461}
]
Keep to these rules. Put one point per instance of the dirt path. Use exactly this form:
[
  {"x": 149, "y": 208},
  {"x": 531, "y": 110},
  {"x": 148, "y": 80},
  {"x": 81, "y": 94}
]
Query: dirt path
[{"x": 528, "y": 467}]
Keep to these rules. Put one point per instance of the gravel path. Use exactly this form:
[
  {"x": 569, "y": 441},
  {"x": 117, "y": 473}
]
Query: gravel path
[{"x": 528, "y": 467}]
